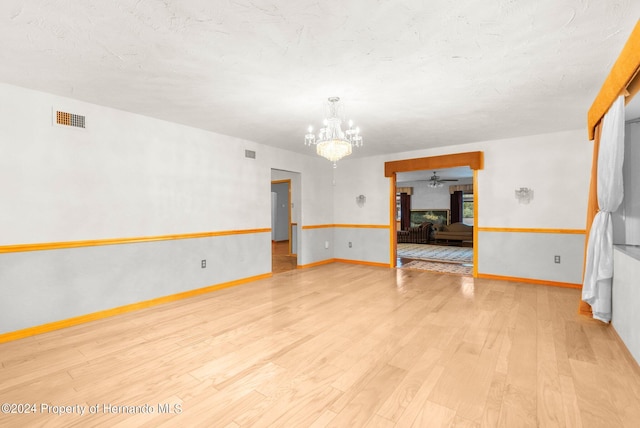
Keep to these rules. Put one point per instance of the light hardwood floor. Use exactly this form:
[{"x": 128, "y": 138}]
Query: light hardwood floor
[
  {"x": 281, "y": 260},
  {"x": 341, "y": 346}
]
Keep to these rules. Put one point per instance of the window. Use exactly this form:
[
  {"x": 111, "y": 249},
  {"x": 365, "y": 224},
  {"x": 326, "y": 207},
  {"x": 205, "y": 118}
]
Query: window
[{"x": 467, "y": 209}]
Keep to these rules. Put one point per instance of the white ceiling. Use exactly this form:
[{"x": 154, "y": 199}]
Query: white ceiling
[{"x": 412, "y": 73}]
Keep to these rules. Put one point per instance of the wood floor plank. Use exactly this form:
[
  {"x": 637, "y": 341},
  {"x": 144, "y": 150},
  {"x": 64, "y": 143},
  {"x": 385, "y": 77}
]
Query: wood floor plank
[
  {"x": 578, "y": 345},
  {"x": 571, "y": 410},
  {"x": 596, "y": 403},
  {"x": 549, "y": 391},
  {"x": 336, "y": 345},
  {"x": 434, "y": 415},
  {"x": 493, "y": 404},
  {"x": 416, "y": 405},
  {"x": 379, "y": 422},
  {"x": 406, "y": 391},
  {"x": 473, "y": 398},
  {"x": 363, "y": 405},
  {"x": 460, "y": 422}
]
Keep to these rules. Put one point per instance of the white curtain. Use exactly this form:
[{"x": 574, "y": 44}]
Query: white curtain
[{"x": 596, "y": 289}]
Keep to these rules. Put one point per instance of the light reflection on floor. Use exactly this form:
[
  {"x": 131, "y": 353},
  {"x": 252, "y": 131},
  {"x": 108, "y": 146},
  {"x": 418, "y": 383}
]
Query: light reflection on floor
[
  {"x": 468, "y": 287},
  {"x": 467, "y": 284}
]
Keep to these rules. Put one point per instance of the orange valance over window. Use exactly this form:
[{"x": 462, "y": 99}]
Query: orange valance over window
[{"x": 624, "y": 79}]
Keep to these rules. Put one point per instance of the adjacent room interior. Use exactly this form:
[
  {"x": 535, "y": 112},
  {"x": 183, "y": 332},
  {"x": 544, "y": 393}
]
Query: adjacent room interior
[{"x": 434, "y": 220}]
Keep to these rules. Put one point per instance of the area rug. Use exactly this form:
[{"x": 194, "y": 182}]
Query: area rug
[
  {"x": 435, "y": 252},
  {"x": 452, "y": 268}
]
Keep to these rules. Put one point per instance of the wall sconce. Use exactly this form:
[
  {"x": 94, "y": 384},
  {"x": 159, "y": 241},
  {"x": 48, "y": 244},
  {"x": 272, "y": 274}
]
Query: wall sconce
[
  {"x": 524, "y": 195},
  {"x": 360, "y": 200}
]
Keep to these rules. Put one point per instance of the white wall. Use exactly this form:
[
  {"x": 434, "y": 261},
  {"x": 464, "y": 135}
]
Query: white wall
[
  {"x": 360, "y": 176},
  {"x": 625, "y": 298},
  {"x": 626, "y": 220},
  {"x": 354, "y": 177},
  {"x": 124, "y": 176},
  {"x": 130, "y": 175},
  {"x": 556, "y": 166}
]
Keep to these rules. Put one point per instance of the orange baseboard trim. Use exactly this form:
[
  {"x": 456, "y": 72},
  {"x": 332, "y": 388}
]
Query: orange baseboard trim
[
  {"x": 532, "y": 230},
  {"x": 314, "y": 264},
  {"x": 353, "y": 262},
  {"x": 363, "y": 226},
  {"x": 69, "y": 322},
  {"x": 530, "y": 281},
  {"x": 360, "y": 262},
  {"x": 354, "y": 226},
  {"x": 115, "y": 241}
]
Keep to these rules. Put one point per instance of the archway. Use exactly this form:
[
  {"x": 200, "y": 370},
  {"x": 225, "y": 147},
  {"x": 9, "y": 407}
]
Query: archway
[{"x": 474, "y": 160}]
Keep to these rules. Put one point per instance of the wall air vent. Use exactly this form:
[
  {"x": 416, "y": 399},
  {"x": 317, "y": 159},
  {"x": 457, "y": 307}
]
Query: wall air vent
[
  {"x": 250, "y": 154},
  {"x": 68, "y": 119}
]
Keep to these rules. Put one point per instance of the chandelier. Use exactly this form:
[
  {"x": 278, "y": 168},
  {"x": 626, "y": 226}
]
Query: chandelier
[{"x": 333, "y": 143}]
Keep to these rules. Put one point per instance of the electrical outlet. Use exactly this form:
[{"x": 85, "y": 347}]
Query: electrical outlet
[
  {"x": 326, "y": 244},
  {"x": 203, "y": 264},
  {"x": 556, "y": 259},
  {"x": 350, "y": 245}
]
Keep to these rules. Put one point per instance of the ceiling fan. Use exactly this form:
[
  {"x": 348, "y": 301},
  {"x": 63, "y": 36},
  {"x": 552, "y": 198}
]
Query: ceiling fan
[{"x": 436, "y": 181}]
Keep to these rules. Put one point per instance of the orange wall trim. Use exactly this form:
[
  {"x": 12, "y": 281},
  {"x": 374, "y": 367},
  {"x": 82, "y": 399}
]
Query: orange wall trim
[
  {"x": 620, "y": 77},
  {"x": 363, "y": 226},
  {"x": 354, "y": 262},
  {"x": 57, "y": 325},
  {"x": 474, "y": 160},
  {"x": 530, "y": 281},
  {"x": 116, "y": 241},
  {"x": 361, "y": 262},
  {"x": 314, "y": 264},
  {"x": 393, "y": 227},
  {"x": 531, "y": 230},
  {"x": 476, "y": 216},
  {"x": 354, "y": 226}
]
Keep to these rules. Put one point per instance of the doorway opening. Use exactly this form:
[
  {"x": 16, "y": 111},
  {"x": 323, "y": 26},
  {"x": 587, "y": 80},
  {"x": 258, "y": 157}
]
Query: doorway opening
[
  {"x": 436, "y": 221},
  {"x": 285, "y": 212}
]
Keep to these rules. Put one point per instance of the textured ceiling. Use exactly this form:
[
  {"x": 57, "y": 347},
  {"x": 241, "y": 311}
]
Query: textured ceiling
[{"x": 412, "y": 74}]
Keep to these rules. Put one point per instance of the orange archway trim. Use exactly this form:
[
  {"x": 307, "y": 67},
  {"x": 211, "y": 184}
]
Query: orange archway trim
[
  {"x": 623, "y": 79},
  {"x": 474, "y": 160}
]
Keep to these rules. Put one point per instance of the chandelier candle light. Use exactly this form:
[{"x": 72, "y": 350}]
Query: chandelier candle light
[{"x": 331, "y": 142}]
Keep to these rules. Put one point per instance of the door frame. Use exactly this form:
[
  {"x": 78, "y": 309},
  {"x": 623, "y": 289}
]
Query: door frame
[
  {"x": 288, "y": 181},
  {"x": 474, "y": 160}
]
